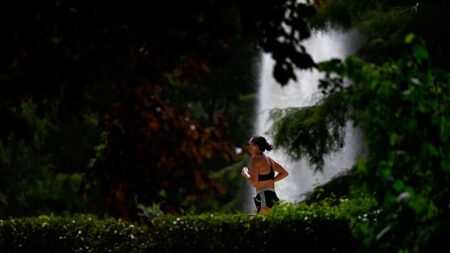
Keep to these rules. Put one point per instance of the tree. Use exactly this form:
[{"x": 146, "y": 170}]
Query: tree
[
  {"x": 85, "y": 54},
  {"x": 400, "y": 105},
  {"x": 402, "y": 108},
  {"x": 385, "y": 24},
  {"x": 312, "y": 131},
  {"x": 152, "y": 153},
  {"x": 123, "y": 60},
  {"x": 33, "y": 176}
]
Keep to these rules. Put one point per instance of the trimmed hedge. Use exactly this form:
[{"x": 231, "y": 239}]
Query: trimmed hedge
[
  {"x": 287, "y": 227},
  {"x": 77, "y": 234},
  {"x": 240, "y": 233}
]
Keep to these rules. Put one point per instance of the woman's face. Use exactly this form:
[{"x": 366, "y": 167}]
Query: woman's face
[{"x": 253, "y": 149}]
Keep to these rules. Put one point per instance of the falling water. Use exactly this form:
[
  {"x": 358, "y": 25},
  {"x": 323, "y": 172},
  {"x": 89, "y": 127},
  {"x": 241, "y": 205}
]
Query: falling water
[{"x": 323, "y": 45}]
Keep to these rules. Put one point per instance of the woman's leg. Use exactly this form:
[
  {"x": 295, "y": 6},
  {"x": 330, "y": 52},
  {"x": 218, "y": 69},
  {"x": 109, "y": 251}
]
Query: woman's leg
[
  {"x": 264, "y": 207},
  {"x": 257, "y": 201},
  {"x": 268, "y": 199}
]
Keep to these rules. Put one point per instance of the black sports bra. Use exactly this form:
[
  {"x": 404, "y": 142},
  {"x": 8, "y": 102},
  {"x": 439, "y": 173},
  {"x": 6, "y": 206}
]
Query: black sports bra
[{"x": 268, "y": 176}]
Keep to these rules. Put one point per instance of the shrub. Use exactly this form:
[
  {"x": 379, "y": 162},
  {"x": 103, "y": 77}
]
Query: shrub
[
  {"x": 292, "y": 227},
  {"x": 402, "y": 108},
  {"x": 76, "y": 234}
]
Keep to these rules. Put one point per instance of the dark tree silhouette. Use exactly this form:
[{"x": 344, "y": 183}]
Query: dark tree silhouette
[{"x": 118, "y": 58}]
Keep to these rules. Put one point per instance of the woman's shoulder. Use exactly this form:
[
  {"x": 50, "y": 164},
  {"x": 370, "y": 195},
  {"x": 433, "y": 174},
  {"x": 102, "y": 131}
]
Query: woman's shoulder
[{"x": 257, "y": 158}]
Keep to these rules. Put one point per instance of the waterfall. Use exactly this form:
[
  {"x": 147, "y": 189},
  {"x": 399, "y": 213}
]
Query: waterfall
[{"x": 323, "y": 45}]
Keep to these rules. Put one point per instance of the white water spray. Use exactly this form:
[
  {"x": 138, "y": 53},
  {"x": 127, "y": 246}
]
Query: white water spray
[{"x": 323, "y": 45}]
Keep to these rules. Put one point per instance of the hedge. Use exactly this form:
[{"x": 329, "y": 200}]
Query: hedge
[
  {"x": 285, "y": 228},
  {"x": 77, "y": 234},
  {"x": 253, "y": 234}
]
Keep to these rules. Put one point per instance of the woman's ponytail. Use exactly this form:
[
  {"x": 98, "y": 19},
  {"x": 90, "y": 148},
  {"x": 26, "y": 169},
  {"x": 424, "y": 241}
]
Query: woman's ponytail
[{"x": 261, "y": 142}]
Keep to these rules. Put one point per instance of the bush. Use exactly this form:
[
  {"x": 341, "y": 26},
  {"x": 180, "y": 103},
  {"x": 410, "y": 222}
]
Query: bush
[
  {"x": 402, "y": 108},
  {"x": 293, "y": 227},
  {"x": 76, "y": 234},
  {"x": 231, "y": 233}
]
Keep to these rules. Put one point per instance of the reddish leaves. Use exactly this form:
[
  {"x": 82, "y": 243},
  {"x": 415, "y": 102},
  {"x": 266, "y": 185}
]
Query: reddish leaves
[{"x": 154, "y": 154}]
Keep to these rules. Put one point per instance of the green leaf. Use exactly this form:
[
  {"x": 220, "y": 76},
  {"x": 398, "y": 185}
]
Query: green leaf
[
  {"x": 420, "y": 52},
  {"x": 393, "y": 139},
  {"x": 399, "y": 185},
  {"x": 44, "y": 224},
  {"x": 409, "y": 38},
  {"x": 3, "y": 199}
]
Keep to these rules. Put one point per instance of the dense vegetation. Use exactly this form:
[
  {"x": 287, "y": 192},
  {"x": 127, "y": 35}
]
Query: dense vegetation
[
  {"x": 136, "y": 111},
  {"x": 401, "y": 105},
  {"x": 131, "y": 103},
  {"x": 402, "y": 108},
  {"x": 295, "y": 228}
]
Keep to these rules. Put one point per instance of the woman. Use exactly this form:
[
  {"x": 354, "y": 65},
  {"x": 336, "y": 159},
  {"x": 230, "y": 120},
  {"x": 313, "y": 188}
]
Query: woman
[{"x": 262, "y": 174}]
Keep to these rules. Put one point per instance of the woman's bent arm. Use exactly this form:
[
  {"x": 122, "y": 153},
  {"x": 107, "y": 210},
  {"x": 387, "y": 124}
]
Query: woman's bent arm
[{"x": 282, "y": 173}]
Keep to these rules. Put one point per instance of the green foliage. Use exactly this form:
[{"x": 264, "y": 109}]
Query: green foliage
[
  {"x": 335, "y": 13},
  {"x": 241, "y": 118},
  {"x": 69, "y": 145},
  {"x": 312, "y": 131},
  {"x": 36, "y": 176},
  {"x": 244, "y": 233},
  {"x": 20, "y": 167},
  {"x": 228, "y": 198},
  {"x": 58, "y": 194},
  {"x": 402, "y": 108},
  {"x": 290, "y": 227},
  {"x": 72, "y": 234},
  {"x": 385, "y": 23},
  {"x": 97, "y": 65},
  {"x": 150, "y": 212},
  {"x": 338, "y": 187},
  {"x": 231, "y": 186}
]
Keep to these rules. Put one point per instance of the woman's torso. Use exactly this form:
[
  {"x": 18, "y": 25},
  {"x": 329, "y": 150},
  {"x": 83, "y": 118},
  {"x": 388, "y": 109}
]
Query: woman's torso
[{"x": 263, "y": 164}]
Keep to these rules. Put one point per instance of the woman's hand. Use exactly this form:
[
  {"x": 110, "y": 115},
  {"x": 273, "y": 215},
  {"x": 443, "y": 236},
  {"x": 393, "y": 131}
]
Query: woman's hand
[
  {"x": 244, "y": 172},
  {"x": 250, "y": 178}
]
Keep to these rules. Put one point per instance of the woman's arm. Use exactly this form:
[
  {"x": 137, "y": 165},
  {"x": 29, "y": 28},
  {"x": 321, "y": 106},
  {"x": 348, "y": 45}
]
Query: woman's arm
[
  {"x": 252, "y": 176},
  {"x": 282, "y": 173}
]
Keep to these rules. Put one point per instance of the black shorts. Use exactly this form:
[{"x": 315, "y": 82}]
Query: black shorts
[{"x": 265, "y": 198}]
